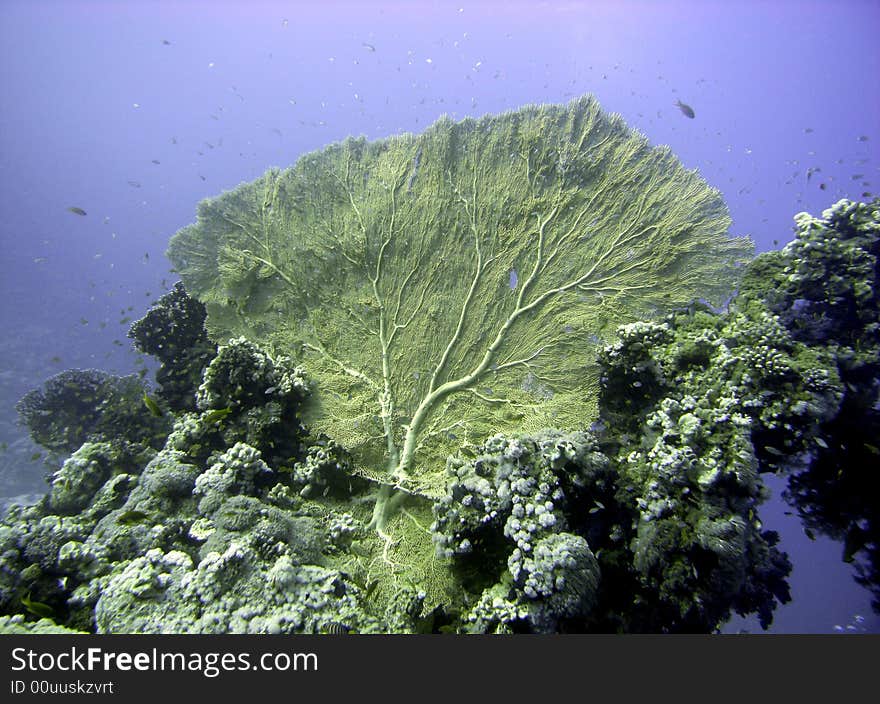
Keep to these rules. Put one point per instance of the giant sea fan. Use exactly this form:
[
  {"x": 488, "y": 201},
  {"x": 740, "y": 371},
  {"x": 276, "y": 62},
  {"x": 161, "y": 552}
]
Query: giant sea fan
[{"x": 445, "y": 286}]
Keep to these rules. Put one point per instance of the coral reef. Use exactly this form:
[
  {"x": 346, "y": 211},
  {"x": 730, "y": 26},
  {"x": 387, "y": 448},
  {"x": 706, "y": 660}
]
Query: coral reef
[
  {"x": 173, "y": 331},
  {"x": 80, "y": 405},
  {"x": 465, "y": 428},
  {"x": 204, "y": 535}
]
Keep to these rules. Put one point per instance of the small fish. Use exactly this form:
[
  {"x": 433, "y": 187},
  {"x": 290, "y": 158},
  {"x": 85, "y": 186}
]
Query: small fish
[
  {"x": 809, "y": 534},
  {"x": 130, "y": 518},
  {"x": 368, "y": 47},
  {"x": 872, "y": 449},
  {"x": 155, "y": 161},
  {"x": 863, "y": 138},
  {"x": 821, "y": 443},
  {"x": 217, "y": 415},
  {"x": 166, "y": 42},
  {"x": 686, "y": 109},
  {"x": 822, "y": 186},
  {"x": 37, "y": 608},
  {"x": 76, "y": 211},
  {"x": 134, "y": 184},
  {"x": 56, "y": 359},
  {"x": 36, "y": 456},
  {"x": 151, "y": 405}
]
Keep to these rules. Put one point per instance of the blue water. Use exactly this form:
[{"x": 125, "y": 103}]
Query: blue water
[{"x": 135, "y": 111}]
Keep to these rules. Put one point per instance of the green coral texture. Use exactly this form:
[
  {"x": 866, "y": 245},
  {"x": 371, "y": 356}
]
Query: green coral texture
[{"x": 443, "y": 287}]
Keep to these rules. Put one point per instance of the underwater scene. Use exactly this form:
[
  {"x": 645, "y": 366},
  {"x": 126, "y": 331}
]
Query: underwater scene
[{"x": 439, "y": 317}]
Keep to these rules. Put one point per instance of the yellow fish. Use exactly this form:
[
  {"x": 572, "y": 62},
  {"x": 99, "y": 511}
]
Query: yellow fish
[
  {"x": 151, "y": 404},
  {"x": 37, "y": 608},
  {"x": 217, "y": 414}
]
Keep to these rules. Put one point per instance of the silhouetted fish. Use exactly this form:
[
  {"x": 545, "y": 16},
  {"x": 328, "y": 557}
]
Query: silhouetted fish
[
  {"x": 686, "y": 109},
  {"x": 76, "y": 211}
]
